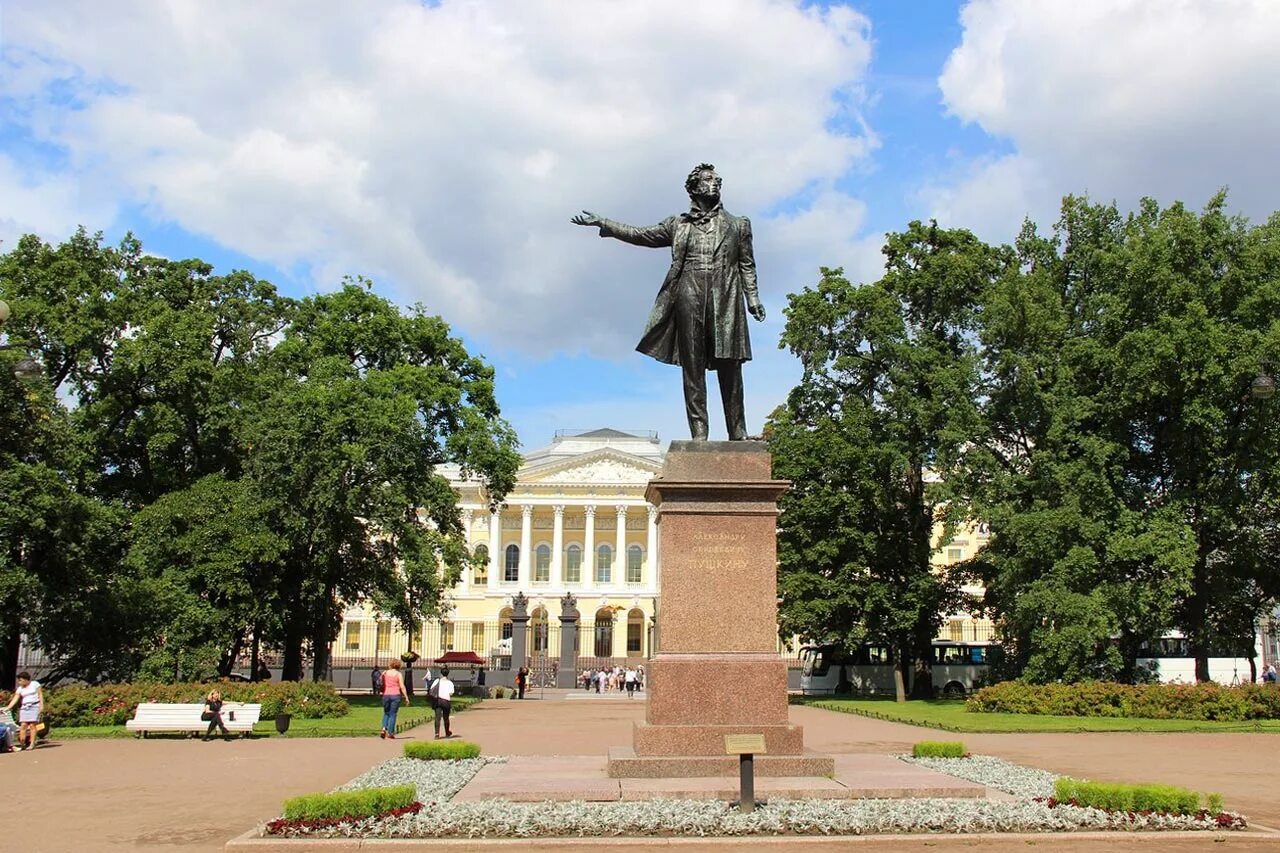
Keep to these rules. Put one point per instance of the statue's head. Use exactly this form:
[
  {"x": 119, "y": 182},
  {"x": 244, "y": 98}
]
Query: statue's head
[{"x": 703, "y": 181}]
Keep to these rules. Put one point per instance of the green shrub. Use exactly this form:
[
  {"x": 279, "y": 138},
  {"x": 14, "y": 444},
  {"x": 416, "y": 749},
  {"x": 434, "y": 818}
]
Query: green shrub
[
  {"x": 938, "y": 749},
  {"x": 114, "y": 704},
  {"x": 1206, "y": 701},
  {"x": 1114, "y": 796},
  {"x": 340, "y": 804},
  {"x": 448, "y": 750},
  {"x": 1213, "y": 804}
]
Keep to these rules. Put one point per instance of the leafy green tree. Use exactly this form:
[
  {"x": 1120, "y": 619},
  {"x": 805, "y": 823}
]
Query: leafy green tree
[
  {"x": 885, "y": 401},
  {"x": 1122, "y": 455},
  {"x": 207, "y": 557},
  {"x": 367, "y": 402}
]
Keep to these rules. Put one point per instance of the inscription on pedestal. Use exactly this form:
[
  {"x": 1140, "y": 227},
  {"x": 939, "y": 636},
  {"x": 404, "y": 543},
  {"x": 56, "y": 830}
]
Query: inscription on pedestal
[{"x": 718, "y": 552}]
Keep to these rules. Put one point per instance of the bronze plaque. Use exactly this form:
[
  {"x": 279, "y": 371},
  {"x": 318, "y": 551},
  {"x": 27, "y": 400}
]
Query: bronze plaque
[{"x": 743, "y": 744}]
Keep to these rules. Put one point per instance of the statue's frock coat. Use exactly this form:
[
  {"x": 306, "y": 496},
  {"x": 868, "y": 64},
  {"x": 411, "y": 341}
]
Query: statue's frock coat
[{"x": 732, "y": 277}]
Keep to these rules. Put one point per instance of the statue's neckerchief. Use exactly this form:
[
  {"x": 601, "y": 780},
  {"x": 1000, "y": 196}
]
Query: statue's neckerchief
[{"x": 698, "y": 216}]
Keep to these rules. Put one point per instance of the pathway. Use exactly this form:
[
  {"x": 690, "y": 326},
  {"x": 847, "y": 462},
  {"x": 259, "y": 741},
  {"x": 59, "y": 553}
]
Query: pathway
[{"x": 186, "y": 795}]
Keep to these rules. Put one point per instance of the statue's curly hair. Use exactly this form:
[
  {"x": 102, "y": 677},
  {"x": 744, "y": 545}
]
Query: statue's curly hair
[{"x": 693, "y": 175}]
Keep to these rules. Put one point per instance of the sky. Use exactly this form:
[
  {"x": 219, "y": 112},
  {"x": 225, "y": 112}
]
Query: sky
[{"x": 441, "y": 148}]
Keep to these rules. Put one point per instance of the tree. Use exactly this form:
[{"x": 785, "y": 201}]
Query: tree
[
  {"x": 1122, "y": 456},
  {"x": 885, "y": 404},
  {"x": 368, "y": 401},
  {"x": 207, "y": 557}
]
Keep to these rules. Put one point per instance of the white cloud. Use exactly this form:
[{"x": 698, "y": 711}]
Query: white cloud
[
  {"x": 443, "y": 148},
  {"x": 1167, "y": 98}
]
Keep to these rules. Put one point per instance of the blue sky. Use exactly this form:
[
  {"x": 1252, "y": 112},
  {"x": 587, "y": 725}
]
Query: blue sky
[{"x": 441, "y": 148}]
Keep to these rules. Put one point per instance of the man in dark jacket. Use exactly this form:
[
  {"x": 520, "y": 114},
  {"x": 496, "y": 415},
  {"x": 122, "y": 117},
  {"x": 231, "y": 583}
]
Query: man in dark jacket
[{"x": 698, "y": 320}]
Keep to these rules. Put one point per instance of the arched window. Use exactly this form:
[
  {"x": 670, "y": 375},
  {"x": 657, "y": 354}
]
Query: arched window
[
  {"x": 635, "y": 559},
  {"x": 538, "y": 627},
  {"x": 480, "y": 571},
  {"x": 604, "y": 633},
  {"x": 604, "y": 563},
  {"x": 542, "y": 564},
  {"x": 504, "y": 623},
  {"x": 573, "y": 564},
  {"x": 511, "y": 568},
  {"x": 635, "y": 633}
]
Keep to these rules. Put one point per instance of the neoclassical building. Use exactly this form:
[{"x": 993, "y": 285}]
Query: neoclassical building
[{"x": 576, "y": 522}]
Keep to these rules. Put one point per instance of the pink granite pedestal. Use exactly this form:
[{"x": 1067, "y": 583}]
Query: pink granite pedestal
[{"x": 717, "y": 671}]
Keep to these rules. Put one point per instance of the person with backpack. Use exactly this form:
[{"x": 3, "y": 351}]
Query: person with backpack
[
  {"x": 440, "y": 694},
  {"x": 392, "y": 693},
  {"x": 375, "y": 678}
]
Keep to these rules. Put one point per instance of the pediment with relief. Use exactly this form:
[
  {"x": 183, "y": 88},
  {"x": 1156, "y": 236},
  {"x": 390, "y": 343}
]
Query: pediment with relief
[
  {"x": 602, "y": 471},
  {"x": 605, "y": 468}
]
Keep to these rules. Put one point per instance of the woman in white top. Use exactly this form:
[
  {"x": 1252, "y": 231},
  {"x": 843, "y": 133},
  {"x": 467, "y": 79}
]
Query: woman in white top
[{"x": 29, "y": 697}]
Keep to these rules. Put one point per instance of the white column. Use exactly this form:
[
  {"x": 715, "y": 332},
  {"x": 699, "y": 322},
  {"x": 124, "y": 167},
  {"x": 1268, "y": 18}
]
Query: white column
[
  {"x": 557, "y": 548},
  {"x": 620, "y": 549},
  {"x": 495, "y": 549},
  {"x": 526, "y": 542},
  {"x": 651, "y": 551},
  {"x": 467, "y": 517},
  {"x": 589, "y": 550}
]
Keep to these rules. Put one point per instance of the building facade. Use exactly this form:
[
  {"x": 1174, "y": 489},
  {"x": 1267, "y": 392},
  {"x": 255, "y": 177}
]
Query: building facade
[{"x": 576, "y": 522}]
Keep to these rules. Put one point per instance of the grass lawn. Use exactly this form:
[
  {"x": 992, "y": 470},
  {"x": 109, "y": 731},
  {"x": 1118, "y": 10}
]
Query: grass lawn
[
  {"x": 364, "y": 720},
  {"x": 950, "y": 715}
]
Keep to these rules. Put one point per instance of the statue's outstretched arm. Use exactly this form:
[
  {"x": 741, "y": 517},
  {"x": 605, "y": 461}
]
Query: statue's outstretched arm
[{"x": 653, "y": 235}]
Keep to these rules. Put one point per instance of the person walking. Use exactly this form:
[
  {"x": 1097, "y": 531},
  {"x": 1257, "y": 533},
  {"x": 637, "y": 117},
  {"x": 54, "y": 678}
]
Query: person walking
[
  {"x": 393, "y": 693},
  {"x": 29, "y": 698},
  {"x": 212, "y": 714},
  {"x": 441, "y": 692},
  {"x": 522, "y": 679},
  {"x": 629, "y": 679}
]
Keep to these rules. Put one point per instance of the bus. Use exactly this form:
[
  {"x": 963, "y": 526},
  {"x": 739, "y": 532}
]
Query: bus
[
  {"x": 958, "y": 668},
  {"x": 1169, "y": 660}
]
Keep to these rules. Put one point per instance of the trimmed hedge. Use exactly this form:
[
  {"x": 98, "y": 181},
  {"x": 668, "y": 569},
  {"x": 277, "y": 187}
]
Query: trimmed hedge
[
  {"x": 114, "y": 704},
  {"x": 1204, "y": 701},
  {"x": 342, "y": 804},
  {"x": 938, "y": 749},
  {"x": 441, "y": 750},
  {"x": 1117, "y": 797}
]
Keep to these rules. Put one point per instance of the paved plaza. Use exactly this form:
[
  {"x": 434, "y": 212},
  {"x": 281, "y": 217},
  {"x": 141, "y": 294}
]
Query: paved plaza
[{"x": 188, "y": 795}]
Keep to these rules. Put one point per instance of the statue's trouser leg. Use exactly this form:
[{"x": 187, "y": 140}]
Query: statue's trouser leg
[
  {"x": 691, "y": 338},
  {"x": 694, "y": 366},
  {"x": 735, "y": 416}
]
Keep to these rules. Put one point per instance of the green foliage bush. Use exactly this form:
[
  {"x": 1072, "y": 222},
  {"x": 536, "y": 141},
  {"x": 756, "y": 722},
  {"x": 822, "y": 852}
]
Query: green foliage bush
[
  {"x": 435, "y": 750},
  {"x": 361, "y": 803},
  {"x": 938, "y": 749},
  {"x": 1206, "y": 701},
  {"x": 114, "y": 704},
  {"x": 1114, "y": 796}
]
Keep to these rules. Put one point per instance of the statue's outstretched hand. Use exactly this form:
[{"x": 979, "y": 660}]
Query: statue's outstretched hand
[
  {"x": 586, "y": 217},
  {"x": 756, "y": 309}
]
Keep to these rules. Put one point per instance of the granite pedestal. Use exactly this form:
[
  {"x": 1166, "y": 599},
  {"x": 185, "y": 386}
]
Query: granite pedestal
[{"x": 717, "y": 671}]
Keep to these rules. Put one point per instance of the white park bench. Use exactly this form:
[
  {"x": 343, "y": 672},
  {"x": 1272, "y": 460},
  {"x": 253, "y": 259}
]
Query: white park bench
[{"x": 172, "y": 717}]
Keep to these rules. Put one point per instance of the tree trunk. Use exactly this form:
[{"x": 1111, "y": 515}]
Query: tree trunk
[
  {"x": 291, "y": 668},
  {"x": 10, "y": 642},
  {"x": 254, "y": 655},
  {"x": 321, "y": 637},
  {"x": 900, "y": 678}
]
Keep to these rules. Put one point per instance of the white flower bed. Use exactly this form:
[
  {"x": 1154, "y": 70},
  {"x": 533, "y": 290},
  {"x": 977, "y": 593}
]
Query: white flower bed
[
  {"x": 995, "y": 772},
  {"x": 437, "y": 781}
]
